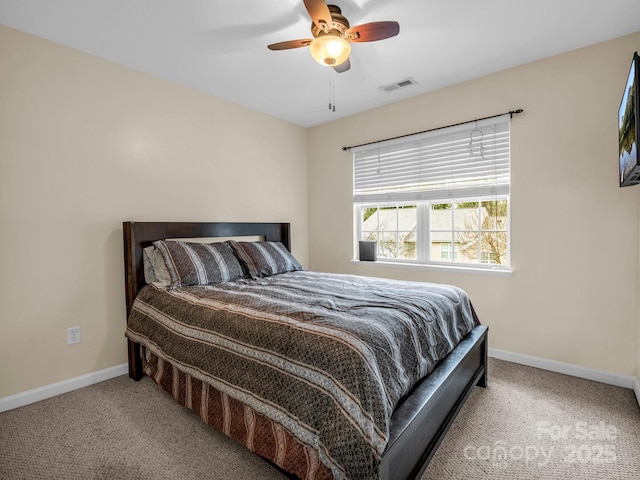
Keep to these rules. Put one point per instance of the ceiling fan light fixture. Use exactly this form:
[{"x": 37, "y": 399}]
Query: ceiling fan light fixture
[{"x": 330, "y": 50}]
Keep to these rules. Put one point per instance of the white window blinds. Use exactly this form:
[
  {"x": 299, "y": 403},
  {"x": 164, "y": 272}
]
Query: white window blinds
[{"x": 470, "y": 159}]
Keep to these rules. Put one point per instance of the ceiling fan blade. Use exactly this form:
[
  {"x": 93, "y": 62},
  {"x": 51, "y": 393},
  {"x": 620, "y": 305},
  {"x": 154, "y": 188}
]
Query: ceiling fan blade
[
  {"x": 343, "y": 67},
  {"x": 290, "y": 44},
  {"x": 370, "y": 32},
  {"x": 319, "y": 13}
]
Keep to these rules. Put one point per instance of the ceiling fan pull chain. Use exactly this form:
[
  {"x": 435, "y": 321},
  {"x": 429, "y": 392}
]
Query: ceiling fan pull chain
[
  {"x": 332, "y": 91},
  {"x": 330, "y": 78}
]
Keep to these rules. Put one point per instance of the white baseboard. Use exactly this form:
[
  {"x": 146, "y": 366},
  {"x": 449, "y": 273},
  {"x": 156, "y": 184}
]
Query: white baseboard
[
  {"x": 48, "y": 391},
  {"x": 602, "y": 376}
]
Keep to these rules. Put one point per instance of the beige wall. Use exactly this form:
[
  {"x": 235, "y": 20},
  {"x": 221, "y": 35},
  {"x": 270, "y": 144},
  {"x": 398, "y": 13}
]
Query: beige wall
[
  {"x": 86, "y": 144},
  {"x": 568, "y": 299}
]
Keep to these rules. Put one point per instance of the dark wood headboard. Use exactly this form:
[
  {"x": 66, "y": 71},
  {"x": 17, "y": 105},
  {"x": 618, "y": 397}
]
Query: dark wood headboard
[{"x": 138, "y": 235}]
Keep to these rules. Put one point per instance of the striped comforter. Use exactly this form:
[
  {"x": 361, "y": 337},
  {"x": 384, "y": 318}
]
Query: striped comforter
[{"x": 327, "y": 356}]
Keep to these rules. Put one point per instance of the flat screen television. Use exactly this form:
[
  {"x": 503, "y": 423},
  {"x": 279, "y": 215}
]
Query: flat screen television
[{"x": 629, "y": 127}]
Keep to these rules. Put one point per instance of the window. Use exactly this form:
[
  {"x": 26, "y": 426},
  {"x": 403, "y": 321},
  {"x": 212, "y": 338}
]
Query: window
[
  {"x": 441, "y": 197},
  {"x": 448, "y": 251},
  {"x": 470, "y": 231},
  {"x": 393, "y": 227}
]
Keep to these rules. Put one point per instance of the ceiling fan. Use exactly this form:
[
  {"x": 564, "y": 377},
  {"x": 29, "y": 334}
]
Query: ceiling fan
[{"x": 332, "y": 35}]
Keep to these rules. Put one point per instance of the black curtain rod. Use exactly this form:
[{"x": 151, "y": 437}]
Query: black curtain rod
[{"x": 512, "y": 113}]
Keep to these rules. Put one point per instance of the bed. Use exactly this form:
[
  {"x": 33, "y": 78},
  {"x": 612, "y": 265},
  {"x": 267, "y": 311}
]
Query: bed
[{"x": 419, "y": 419}]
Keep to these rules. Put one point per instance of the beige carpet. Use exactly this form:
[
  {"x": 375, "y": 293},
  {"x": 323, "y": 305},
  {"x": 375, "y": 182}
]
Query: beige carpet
[
  {"x": 533, "y": 424},
  {"x": 529, "y": 424}
]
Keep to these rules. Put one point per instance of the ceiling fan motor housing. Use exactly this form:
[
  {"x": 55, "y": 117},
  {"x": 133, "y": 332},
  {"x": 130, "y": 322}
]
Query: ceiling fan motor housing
[{"x": 339, "y": 25}]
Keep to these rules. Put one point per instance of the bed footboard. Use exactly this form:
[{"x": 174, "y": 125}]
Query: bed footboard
[{"x": 420, "y": 424}]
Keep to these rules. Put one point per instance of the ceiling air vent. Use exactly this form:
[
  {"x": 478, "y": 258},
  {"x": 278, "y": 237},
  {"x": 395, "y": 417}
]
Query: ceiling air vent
[{"x": 395, "y": 86}]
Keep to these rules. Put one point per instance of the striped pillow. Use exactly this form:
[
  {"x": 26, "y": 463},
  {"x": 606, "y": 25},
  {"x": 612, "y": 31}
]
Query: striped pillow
[
  {"x": 199, "y": 263},
  {"x": 261, "y": 259}
]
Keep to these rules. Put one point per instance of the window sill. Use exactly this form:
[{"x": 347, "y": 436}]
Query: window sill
[{"x": 437, "y": 268}]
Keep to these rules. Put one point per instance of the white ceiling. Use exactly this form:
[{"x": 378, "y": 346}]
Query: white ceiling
[{"x": 220, "y": 47}]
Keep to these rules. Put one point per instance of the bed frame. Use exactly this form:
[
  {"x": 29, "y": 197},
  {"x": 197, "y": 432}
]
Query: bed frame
[{"x": 422, "y": 419}]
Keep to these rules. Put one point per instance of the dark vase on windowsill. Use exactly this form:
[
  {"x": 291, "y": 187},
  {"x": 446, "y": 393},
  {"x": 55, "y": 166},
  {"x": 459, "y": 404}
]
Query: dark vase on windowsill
[{"x": 367, "y": 251}]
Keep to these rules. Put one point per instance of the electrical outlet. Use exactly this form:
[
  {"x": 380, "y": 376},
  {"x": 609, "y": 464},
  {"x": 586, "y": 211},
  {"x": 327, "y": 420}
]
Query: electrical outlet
[{"x": 73, "y": 335}]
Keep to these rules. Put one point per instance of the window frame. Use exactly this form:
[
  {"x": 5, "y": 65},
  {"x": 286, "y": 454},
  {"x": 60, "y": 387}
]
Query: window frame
[{"x": 423, "y": 233}]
